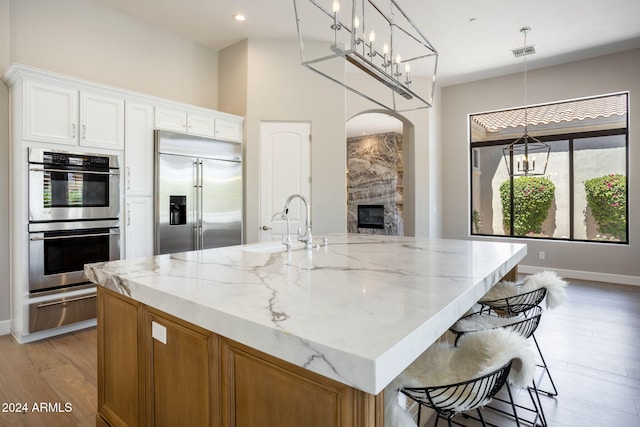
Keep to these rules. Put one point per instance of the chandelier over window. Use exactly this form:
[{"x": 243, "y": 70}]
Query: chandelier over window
[
  {"x": 372, "y": 38},
  {"x": 520, "y": 155}
]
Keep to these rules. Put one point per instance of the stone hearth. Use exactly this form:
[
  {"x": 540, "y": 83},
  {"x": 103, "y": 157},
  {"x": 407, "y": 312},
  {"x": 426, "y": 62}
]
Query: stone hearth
[{"x": 374, "y": 165}]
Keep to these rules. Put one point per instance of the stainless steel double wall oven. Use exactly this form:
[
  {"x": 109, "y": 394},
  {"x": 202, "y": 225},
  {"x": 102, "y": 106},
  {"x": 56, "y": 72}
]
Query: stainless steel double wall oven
[{"x": 74, "y": 208}]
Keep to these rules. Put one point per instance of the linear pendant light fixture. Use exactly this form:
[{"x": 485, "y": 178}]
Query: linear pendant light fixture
[
  {"x": 520, "y": 155},
  {"x": 356, "y": 42}
]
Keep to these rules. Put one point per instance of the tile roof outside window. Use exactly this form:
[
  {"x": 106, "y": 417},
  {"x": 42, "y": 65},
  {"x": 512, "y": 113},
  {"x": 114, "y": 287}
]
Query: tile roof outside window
[{"x": 592, "y": 108}]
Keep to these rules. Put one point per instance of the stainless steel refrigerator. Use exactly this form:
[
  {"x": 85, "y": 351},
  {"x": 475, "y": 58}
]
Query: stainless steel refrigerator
[{"x": 198, "y": 193}]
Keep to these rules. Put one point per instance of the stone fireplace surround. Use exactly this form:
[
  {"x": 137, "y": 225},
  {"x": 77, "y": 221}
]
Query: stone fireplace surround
[{"x": 374, "y": 177}]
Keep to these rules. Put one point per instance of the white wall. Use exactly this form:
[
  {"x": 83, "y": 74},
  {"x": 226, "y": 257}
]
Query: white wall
[
  {"x": 232, "y": 79},
  {"x": 435, "y": 168},
  {"x": 4, "y": 169},
  {"x": 607, "y": 74},
  {"x": 87, "y": 40},
  {"x": 84, "y": 39},
  {"x": 280, "y": 89}
]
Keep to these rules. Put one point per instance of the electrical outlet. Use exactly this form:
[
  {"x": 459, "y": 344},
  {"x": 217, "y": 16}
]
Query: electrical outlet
[{"x": 541, "y": 255}]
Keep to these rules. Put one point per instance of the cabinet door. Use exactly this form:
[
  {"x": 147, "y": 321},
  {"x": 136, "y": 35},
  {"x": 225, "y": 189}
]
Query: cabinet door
[
  {"x": 229, "y": 130},
  {"x": 183, "y": 373},
  {"x": 50, "y": 113},
  {"x": 101, "y": 121},
  {"x": 201, "y": 124},
  {"x": 139, "y": 227},
  {"x": 261, "y": 391},
  {"x": 138, "y": 149},
  {"x": 120, "y": 375},
  {"x": 169, "y": 119}
]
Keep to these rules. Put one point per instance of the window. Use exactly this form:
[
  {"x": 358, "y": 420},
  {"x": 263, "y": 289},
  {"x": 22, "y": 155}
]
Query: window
[{"x": 582, "y": 195}]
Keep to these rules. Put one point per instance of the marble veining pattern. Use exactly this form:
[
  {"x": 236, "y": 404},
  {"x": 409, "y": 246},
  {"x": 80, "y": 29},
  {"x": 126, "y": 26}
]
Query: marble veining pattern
[{"x": 358, "y": 310}]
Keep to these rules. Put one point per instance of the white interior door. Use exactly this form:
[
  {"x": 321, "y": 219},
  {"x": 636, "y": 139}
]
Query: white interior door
[{"x": 285, "y": 169}]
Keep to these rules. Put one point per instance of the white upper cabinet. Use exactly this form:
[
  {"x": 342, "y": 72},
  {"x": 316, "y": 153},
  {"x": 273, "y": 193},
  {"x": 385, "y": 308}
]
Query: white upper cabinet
[
  {"x": 63, "y": 115},
  {"x": 169, "y": 119},
  {"x": 101, "y": 121},
  {"x": 138, "y": 173},
  {"x": 50, "y": 113},
  {"x": 193, "y": 123},
  {"x": 202, "y": 123},
  {"x": 228, "y": 129}
]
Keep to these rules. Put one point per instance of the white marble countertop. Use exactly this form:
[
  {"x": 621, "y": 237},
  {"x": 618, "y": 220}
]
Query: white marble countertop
[{"x": 358, "y": 310}]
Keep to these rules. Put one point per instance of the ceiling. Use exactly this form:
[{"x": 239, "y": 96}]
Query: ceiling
[{"x": 474, "y": 38}]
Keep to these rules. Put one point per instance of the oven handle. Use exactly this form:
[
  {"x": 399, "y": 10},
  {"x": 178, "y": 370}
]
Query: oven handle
[
  {"x": 74, "y": 236},
  {"x": 72, "y": 171},
  {"x": 49, "y": 304}
]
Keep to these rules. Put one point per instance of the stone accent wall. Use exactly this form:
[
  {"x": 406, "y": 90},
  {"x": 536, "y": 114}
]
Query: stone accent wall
[{"x": 374, "y": 164}]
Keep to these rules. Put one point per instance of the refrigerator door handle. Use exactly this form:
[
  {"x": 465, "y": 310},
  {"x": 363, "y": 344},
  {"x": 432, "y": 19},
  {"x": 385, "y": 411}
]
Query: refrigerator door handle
[
  {"x": 196, "y": 204},
  {"x": 199, "y": 205}
]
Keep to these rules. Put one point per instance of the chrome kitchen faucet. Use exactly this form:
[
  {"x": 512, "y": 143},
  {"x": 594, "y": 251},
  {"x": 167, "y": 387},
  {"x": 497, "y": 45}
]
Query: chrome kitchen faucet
[{"x": 305, "y": 237}]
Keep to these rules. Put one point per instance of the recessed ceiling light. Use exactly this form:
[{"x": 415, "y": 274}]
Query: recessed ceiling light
[{"x": 239, "y": 17}]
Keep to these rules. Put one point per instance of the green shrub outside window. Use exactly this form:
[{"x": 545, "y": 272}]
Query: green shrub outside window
[
  {"x": 532, "y": 198},
  {"x": 607, "y": 200}
]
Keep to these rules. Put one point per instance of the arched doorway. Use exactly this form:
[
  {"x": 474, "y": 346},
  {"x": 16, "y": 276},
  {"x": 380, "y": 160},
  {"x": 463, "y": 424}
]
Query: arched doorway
[{"x": 375, "y": 173}]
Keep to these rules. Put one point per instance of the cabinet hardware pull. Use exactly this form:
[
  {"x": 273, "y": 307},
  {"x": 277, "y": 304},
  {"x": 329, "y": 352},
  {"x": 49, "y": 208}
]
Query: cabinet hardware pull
[
  {"x": 73, "y": 130},
  {"x": 49, "y": 304},
  {"x": 72, "y": 171},
  {"x": 73, "y": 236}
]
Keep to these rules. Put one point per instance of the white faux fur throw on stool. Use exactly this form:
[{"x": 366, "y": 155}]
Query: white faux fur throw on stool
[
  {"x": 480, "y": 322},
  {"x": 477, "y": 354},
  {"x": 556, "y": 292}
]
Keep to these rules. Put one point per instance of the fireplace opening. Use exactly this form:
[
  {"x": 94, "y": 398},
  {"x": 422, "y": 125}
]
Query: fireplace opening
[{"x": 371, "y": 216}]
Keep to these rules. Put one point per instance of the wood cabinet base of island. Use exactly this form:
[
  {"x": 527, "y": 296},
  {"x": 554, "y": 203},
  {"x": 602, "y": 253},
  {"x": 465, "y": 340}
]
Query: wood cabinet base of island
[{"x": 198, "y": 378}]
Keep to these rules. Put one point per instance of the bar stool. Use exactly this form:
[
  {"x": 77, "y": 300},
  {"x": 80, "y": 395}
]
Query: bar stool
[
  {"x": 449, "y": 400},
  {"x": 525, "y": 324},
  {"x": 511, "y": 299},
  {"x": 508, "y": 296},
  {"x": 463, "y": 378}
]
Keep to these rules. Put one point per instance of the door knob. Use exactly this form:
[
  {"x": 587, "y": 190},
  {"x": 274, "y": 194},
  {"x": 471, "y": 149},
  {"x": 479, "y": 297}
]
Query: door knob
[{"x": 265, "y": 228}]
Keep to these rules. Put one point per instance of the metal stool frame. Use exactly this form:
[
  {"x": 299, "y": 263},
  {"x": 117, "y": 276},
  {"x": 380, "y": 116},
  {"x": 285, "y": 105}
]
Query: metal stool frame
[
  {"x": 525, "y": 324},
  {"x": 447, "y": 400},
  {"x": 514, "y": 305}
]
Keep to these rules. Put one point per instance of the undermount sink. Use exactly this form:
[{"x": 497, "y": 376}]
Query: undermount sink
[{"x": 271, "y": 247}]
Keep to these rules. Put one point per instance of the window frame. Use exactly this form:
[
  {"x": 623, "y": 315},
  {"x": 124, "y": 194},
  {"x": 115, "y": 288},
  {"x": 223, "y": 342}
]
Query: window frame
[{"x": 570, "y": 138}]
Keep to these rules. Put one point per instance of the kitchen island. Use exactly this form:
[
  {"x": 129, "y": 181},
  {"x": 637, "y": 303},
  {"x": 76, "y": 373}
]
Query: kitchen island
[{"x": 316, "y": 333}]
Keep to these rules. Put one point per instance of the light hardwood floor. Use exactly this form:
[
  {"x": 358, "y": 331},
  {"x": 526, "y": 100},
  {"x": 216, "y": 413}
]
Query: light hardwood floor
[
  {"x": 592, "y": 344},
  {"x": 56, "y": 373}
]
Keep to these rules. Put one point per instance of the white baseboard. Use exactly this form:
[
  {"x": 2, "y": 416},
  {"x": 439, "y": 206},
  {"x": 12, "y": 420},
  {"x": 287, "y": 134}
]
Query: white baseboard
[
  {"x": 36, "y": 336},
  {"x": 584, "y": 275},
  {"x": 5, "y": 327}
]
